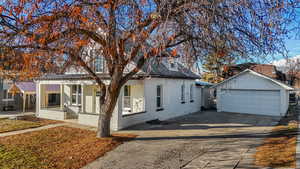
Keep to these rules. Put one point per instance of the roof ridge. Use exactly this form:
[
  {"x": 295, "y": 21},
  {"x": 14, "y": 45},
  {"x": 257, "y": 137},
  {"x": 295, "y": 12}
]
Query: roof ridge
[{"x": 256, "y": 73}]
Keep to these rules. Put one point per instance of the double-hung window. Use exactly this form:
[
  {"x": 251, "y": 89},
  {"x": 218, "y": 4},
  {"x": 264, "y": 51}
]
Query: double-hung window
[
  {"x": 182, "y": 93},
  {"x": 127, "y": 94},
  {"x": 98, "y": 61},
  {"x": 76, "y": 94},
  {"x": 99, "y": 64},
  {"x": 159, "y": 103},
  {"x": 191, "y": 93}
]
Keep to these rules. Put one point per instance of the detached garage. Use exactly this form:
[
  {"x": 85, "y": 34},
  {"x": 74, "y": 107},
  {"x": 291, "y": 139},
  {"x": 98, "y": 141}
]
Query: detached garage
[{"x": 253, "y": 93}]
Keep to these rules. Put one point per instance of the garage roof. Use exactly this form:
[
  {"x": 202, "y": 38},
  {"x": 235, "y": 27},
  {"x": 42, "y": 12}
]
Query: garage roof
[{"x": 285, "y": 86}]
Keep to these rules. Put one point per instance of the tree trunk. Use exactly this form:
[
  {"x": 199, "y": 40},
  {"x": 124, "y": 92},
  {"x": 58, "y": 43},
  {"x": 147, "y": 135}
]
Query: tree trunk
[
  {"x": 107, "y": 106},
  {"x": 106, "y": 111},
  {"x": 103, "y": 125}
]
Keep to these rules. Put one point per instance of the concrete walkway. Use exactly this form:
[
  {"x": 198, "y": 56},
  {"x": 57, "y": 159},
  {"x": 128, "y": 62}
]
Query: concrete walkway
[
  {"x": 205, "y": 140},
  {"x": 30, "y": 130}
]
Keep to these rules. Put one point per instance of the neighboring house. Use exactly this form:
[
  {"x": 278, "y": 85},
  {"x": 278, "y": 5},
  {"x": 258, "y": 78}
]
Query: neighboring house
[
  {"x": 161, "y": 90},
  {"x": 253, "y": 93},
  {"x": 27, "y": 92},
  {"x": 293, "y": 78},
  {"x": 21, "y": 96},
  {"x": 265, "y": 69},
  {"x": 8, "y": 101}
]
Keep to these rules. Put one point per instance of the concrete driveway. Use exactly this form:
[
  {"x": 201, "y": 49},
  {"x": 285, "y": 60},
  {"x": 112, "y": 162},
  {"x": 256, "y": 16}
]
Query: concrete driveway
[{"x": 200, "y": 140}]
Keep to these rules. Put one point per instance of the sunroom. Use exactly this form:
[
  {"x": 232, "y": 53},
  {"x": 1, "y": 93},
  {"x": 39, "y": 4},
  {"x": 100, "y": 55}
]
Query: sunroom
[{"x": 79, "y": 102}]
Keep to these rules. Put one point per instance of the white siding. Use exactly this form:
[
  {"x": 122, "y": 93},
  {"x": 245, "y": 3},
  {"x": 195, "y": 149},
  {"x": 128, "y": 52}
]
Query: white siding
[
  {"x": 249, "y": 81},
  {"x": 51, "y": 114}
]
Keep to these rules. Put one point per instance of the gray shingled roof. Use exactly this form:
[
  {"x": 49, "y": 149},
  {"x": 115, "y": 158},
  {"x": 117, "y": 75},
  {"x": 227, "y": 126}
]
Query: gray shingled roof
[
  {"x": 152, "y": 68},
  {"x": 157, "y": 69},
  {"x": 77, "y": 76}
]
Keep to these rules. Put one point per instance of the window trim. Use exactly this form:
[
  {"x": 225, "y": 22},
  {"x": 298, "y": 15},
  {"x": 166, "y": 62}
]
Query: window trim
[
  {"x": 161, "y": 98},
  {"x": 77, "y": 94},
  {"x": 129, "y": 109},
  {"x": 100, "y": 60},
  {"x": 97, "y": 58},
  {"x": 6, "y": 98},
  {"x": 182, "y": 97}
]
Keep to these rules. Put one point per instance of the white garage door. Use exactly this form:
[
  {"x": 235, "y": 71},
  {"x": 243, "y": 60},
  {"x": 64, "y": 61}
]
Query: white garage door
[{"x": 251, "y": 101}]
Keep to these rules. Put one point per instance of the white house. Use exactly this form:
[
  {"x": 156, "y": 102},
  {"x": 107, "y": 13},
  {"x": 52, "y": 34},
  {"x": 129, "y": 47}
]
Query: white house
[
  {"x": 161, "y": 90},
  {"x": 253, "y": 93}
]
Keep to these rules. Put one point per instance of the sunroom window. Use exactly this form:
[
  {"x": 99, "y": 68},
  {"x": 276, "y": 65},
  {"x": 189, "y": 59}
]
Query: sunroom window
[{"x": 133, "y": 99}]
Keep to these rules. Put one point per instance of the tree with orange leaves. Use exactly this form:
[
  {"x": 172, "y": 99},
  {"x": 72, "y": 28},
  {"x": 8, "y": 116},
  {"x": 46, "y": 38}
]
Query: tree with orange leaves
[{"x": 125, "y": 31}]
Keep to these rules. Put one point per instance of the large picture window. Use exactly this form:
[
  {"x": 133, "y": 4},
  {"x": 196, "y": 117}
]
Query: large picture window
[
  {"x": 76, "y": 94},
  {"x": 159, "y": 103}
]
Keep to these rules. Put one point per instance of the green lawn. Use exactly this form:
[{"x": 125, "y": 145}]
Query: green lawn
[
  {"x": 55, "y": 148},
  {"x": 26, "y": 122}
]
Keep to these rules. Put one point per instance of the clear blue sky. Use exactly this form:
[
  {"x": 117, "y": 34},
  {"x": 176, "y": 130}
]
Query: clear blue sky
[{"x": 293, "y": 46}]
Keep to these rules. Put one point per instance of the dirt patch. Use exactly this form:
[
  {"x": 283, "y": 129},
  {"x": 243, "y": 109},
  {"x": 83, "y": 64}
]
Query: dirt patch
[
  {"x": 279, "y": 148},
  {"x": 60, "y": 147}
]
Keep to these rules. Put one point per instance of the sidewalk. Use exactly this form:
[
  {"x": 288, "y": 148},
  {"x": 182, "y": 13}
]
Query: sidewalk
[{"x": 30, "y": 130}]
